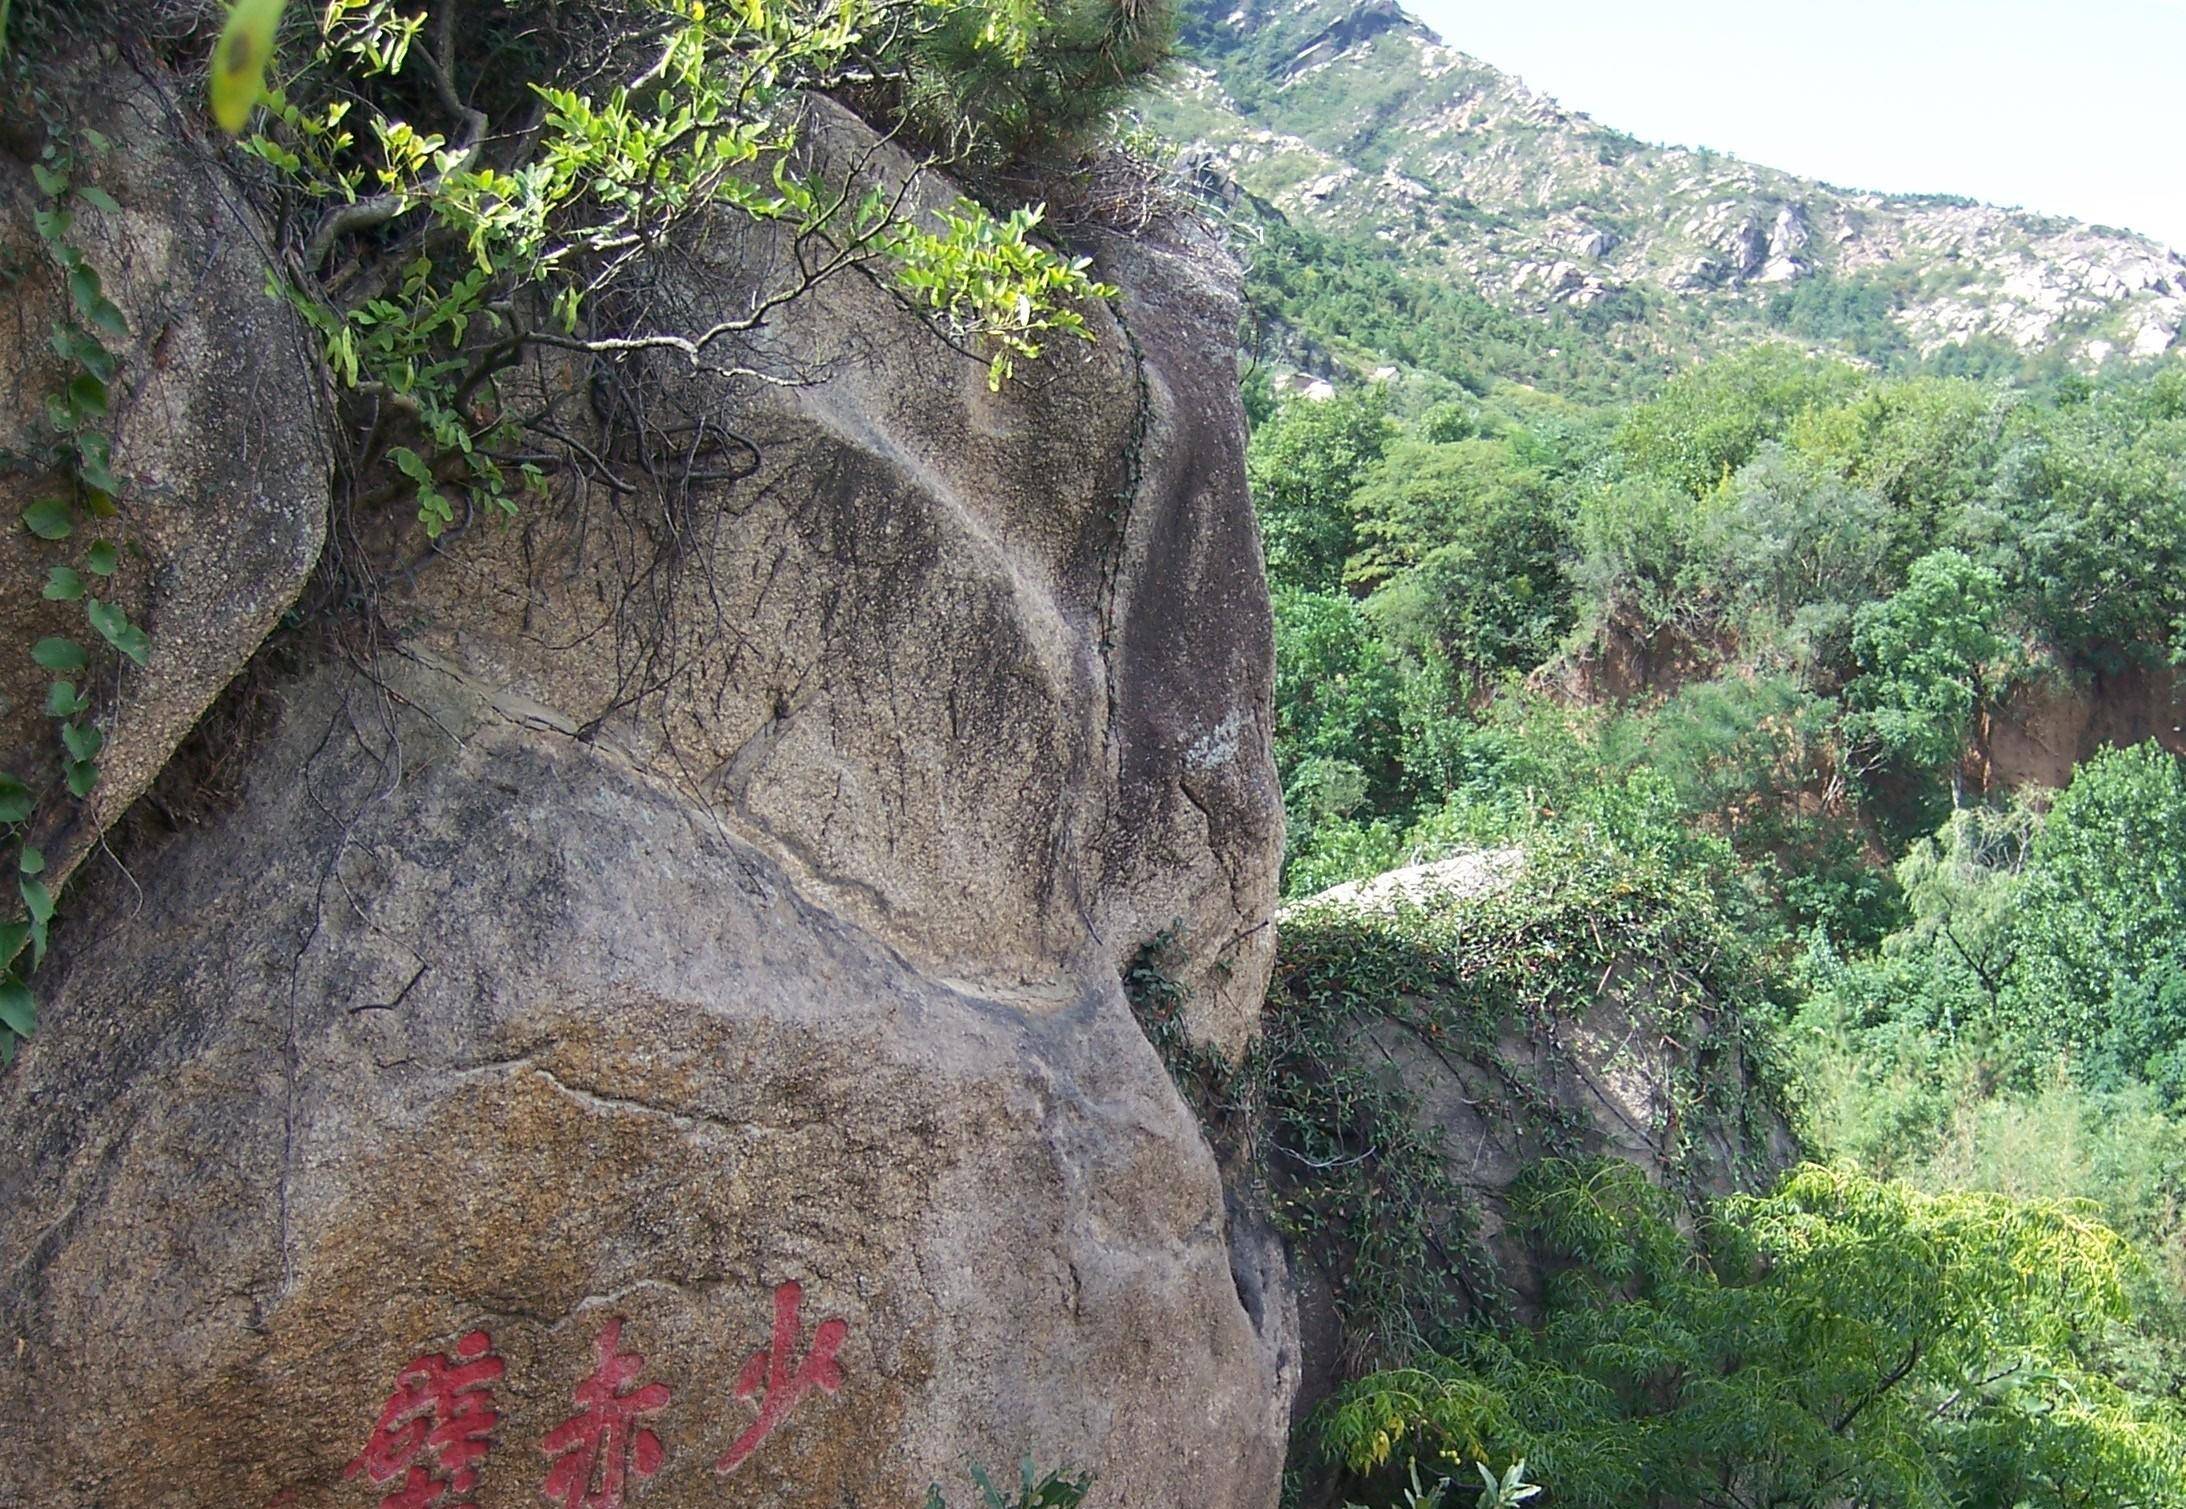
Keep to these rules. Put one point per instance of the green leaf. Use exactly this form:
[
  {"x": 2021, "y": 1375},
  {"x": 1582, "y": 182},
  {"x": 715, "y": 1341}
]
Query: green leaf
[
  {"x": 17, "y": 1007},
  {"x": 239, "y": 61},
  {"x": 52, "y": 519},
  {"x": 107, "y": 316},
  {"x": 59, "y": 654},
  {"x": 411, "y": 465},
  {"x": 103, "y": 558},
  {"x": 63, "y": 585},
  {"x": 98, "y": 198},
  {"x": 31, "y": 861},
  {"x": 84, "y": 349},
  {"x": 82, "y": 776},
  {"x": 64, "y": 701},
  {"x": 83, "y": 740},
  {"x": 15, "y": 800},
  {"x": 13, "y": 935},
  {"x": 87, "y": 397},
  {"x": 84, "y": 289},
  {"x": 50, "y": 180},
  {"x": 116, "y": 629},
  {"x": 37, "y": 898},
  {"x": 93, "y": 456}
]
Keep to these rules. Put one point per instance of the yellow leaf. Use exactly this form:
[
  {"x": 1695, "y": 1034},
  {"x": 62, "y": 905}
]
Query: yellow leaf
[{"x": 240, "y": 59}]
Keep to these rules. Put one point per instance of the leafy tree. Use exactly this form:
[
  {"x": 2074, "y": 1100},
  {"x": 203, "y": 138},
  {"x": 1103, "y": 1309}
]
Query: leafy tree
[
  {"x": 1920, "y": 654},
  {"x": 2086, "y": 522},
  {"x": 1001, "y": 80},
  {"x": 1303, "y": 465},
  {"x": 1466, "y": 543},
  {"x": 1926, "y": 446},
  {"x": 2100, "y": 936},
  {"x": 1839, "y": 1340},
  {"x": 1710, "y": 421},
  {"x": 1338, "y": 711},
  {"x": 1644, "y": 557},
  {"x": 1800, "y": 547}
]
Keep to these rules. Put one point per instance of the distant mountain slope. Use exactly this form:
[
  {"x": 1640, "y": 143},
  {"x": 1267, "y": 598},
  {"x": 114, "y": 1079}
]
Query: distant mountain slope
[{"x": 1355, "y": 117}]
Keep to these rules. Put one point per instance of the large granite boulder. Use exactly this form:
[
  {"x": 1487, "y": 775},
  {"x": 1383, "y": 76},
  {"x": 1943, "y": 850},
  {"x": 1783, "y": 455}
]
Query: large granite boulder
[
  {"x": 213, "y": 417},
  {"x": 651, "y": 1030}
]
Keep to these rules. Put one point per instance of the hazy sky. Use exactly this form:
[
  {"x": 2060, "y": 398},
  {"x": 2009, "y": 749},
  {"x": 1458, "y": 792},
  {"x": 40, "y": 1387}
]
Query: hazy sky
[{"x": 2076, "y": 107}]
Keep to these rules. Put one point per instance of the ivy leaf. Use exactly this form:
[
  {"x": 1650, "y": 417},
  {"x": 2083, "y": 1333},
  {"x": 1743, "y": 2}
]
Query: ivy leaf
[
  {"x": 116, "y": 629},
  {"x": 87, "y": 396},
  {"x": 98, "y": 199},
  {"x": 107, "y": 316},
  {"x": 411, "y": 465},
  {"x": 84, "y": 289},
  {"x": 59, "y": 654},
  {"x": 103, "y": 558},
  {"x": 83, "y": 777},
  {"x": 13, "y": 935},
  {"x": 51, "y": 181},
  {"x": 239, "y": 61},
  {"x": 93, "y": 463},
  {"x": 74, "y": 345},
  {"x": 32, "y": 861},
  {"x": 83, "y": 740},
  {"x": 63, "y": 585},
  {"x": 64, "y": 701},
  {"x": 38, "y": 899},
  {"x": 17, "y": 1008},
  {"x": 50, "y": 520},
  {"x": 15, "y": 800}
]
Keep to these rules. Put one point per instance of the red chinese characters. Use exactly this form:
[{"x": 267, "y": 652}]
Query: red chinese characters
[
  {"x": 770, "y": 1369},
  {"x": 600, "y": 1450},
  {"x": 434, "y": 1433}
]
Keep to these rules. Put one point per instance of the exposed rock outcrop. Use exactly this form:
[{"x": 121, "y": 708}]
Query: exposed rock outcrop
[
  {"x": 216, "y": 437},
  {"x": 1644, "y": 1061},
  {"x": 676, "y": 979},
  {"x": 1355, "y": 117}
]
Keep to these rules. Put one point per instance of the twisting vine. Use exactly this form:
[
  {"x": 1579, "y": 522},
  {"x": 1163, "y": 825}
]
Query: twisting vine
[{"x": 78, "y": 455}]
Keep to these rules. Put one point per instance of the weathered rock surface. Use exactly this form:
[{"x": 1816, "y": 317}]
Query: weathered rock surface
[
  {"x": 1640, "y": 1071},
  {"x": 1600, "y": 1082},
  {"x": 216, "y": 434},
  {"x": 708, "y": 907}
]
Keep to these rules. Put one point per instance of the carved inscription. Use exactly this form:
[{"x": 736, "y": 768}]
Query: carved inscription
[
  {"x": 436, "y": 1429},
  {"x": 430, "y": 1445},
  {"x": 770, "y": 1372},
  {"x": 600, "y": 1450}
]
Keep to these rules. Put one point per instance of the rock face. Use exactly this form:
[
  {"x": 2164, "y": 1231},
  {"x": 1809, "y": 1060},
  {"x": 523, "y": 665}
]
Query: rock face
[
  {"x": 215, "y": 433},
  {"x": 665, "y": 1005},
  {"x": 1648, "y": 1067},
  {"x": 1353, "y": 116}
]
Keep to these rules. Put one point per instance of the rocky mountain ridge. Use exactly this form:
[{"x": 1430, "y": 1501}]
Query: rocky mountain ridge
[{"x": 1353, "y": 116}]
